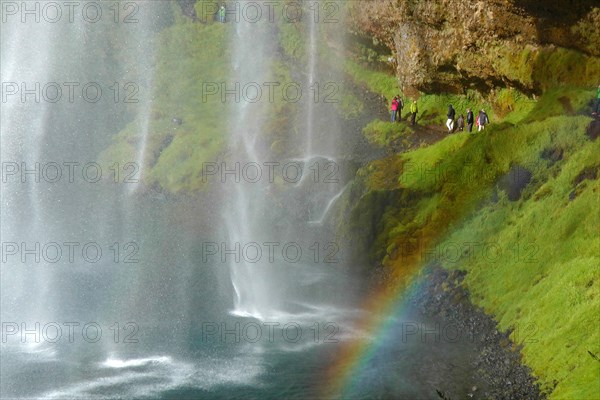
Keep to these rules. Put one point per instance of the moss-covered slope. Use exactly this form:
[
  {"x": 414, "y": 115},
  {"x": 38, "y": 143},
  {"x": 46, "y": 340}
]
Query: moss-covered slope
[{"x": 516, "y": 206}]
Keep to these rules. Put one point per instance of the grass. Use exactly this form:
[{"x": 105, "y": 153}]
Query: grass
[
  {"x": 532, "y": 263},
  {"x": 383, "y": 133},
  {"x": 544, "y": 282},
  {"x": 567, "y": 77},
  {"x": 193, "y": 60},
  {"x": 190, "y": 57},
  {"x": 375, "y": 81},
  {"x": 545, "y": 67}
]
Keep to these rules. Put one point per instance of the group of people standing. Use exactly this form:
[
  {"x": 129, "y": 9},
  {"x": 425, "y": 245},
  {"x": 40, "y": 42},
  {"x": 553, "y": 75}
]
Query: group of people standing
[
  {"x": 459, "y": 124},
  {"x": 398, "y": 105},
  {"x": 481, "y": 121}
]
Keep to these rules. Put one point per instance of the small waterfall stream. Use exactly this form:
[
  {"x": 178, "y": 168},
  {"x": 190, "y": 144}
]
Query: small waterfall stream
[{"x": 270, "y": 286}]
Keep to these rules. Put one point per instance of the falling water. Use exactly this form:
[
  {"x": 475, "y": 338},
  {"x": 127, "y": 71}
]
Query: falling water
[
  {"x": 246, "y": 200},
  {"x": 269, "y": 288},
  {"x": 312, "y": 64},
  {"x": 48, "y": 136},
  {"x": 20, "y": 140}
]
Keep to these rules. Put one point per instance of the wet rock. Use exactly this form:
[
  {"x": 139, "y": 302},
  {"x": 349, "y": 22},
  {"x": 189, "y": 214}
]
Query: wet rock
[
  {"x": 515, "y": 181},
  {"x": 188, "y": 9},
  {"x": 593, "y": 129},
  {"x": 438, "y": 49},
  {"x": 500, "y": 374},
  {"x": 552, "y": 154}
]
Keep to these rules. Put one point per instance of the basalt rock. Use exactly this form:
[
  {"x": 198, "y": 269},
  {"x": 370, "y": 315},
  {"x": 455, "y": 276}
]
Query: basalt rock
[
  {"x": 500, "y": 373},
  {"x": 515, "y": 181},
  {"x": 593, "y": 130},
  {"x": 188, "y": 9}
]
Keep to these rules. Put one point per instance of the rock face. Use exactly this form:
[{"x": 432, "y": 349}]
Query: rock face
[
  {"x": 188, "y": 8},
  {"x": 454, "y": 45}
]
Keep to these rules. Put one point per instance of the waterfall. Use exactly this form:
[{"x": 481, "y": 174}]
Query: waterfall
[
  {"x": 163, "y": 300},
  {"x": 246, "y": 201},
  {"x": 310, "y": 82},
  {"x": 279, "y": 213},
  {"x": 24, "y": 60},
  {"x": 48, "y": 135}
]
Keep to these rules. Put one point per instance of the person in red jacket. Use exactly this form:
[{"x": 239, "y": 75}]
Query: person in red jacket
[{"x": 394, "y": 108}]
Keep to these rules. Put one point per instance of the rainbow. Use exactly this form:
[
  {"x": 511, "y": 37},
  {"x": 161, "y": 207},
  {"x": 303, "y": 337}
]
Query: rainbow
[{"x": 384, "y": 307}]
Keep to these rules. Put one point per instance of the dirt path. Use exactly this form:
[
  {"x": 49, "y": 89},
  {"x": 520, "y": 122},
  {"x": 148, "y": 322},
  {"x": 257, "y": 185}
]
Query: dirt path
[{"x": 421, "y": 136}]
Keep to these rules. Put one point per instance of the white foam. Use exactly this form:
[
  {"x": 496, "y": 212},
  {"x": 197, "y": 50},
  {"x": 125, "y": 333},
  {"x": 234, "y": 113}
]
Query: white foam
[
  {"x": 246, "y": 314},
  {"x": 39, "y": 350},
  {"x": 138, "y": 362},
  {"x": 149, "y": 376}
]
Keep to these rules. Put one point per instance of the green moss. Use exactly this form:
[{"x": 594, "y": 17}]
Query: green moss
[
  {"x": 349, "y": 106},
  {"x": 292, "y": 41},
  {"x": 531, "y": 263},
  {"x": 560, "y": 101},
  {"x": 190, "y": 57},
  {"x": 545, "y": 67},
  {"x": 375, "y": 81},
  {"x": 541, "y": 279},
  {"x": 383, "y": 133},
  {"x": 559, "y": 67},
  {"x": 512, "y": 106},
  {"x": 193, "y": 61},
  {"x": 515, "y": 65}
]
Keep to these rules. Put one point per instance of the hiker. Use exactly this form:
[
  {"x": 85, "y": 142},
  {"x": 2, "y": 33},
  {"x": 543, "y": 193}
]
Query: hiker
[
  {"x": 221, "y": 13},
  {"x": 394, "y": 108},
  {"x": 482, "y": 120},
  {"x": 598, "y": 101},
  {"x": 400, "y": 107},
  {"x": 413, "y": 112},
  {"x": 470, "y": 120},
  {"x": 450, "y": 122},
  {"x": 460, "y": 123}
]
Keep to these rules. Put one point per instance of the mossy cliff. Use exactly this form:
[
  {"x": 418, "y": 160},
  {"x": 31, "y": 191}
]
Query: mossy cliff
[
  {"x": 452, "y": 46},
  {"x": 514, "y": 206},
  {"x": 531, "y": 261}
]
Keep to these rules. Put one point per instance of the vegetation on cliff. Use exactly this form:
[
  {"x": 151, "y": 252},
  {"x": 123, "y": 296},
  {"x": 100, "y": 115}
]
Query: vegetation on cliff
[
  {"x": 186, "y": 124},
  {"x": 453, "y": 46},
  {"x": 515, "y": 206}
]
